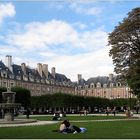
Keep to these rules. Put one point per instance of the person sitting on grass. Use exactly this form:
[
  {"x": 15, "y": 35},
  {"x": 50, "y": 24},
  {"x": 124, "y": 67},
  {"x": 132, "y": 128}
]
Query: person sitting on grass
[
  {"x": 56, "y": 116},
  {"x": 66, "y": 127}
]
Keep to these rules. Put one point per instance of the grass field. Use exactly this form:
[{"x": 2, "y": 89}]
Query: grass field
[
  {"x": 69, "y": 117},
  {"x": 125, "y": 129}
]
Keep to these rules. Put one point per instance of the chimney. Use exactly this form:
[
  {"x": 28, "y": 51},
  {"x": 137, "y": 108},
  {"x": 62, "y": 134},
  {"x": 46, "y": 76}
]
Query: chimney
[
  {"x": 23, "y": 67},
  {"x": 79, "y": 77},
  {"x": 39, "y": 68},
  {"x": 8, "y": 62},
  {"x": 53, "y": 71},
  {"x": 45, "y": 70},
  {"x": 110, "y": 76}
]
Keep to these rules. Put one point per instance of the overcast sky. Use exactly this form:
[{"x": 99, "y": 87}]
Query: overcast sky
[{"x": 70, "y": 36}]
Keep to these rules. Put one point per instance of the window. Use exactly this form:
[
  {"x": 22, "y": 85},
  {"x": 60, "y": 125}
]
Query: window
[
  {"x": 12, "y": 84},
  {"x": 4, "y": 83},
  {"x": 48, "y": 89}
]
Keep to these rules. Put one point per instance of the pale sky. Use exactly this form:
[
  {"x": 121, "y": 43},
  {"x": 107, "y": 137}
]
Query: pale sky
[{"x": 70, "y": 35}]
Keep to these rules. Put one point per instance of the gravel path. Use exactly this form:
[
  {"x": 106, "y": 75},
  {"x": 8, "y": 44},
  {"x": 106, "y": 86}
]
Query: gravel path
[{"x": 29, "y": 124}]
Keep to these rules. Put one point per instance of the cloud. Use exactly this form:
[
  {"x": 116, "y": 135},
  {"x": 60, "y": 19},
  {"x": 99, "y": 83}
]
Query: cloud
[
  {"x": 6, "y": 10},
  {"x": 89, "y": 64},
  {"x": 84, "y": 1},
  {"x": 60, "y": 44},
  {"x": 38, "y": 35},
  {"x": 80, "y": 25},
  {"x": 82, "y": 9},
  {"x": 57, "y": 35}
]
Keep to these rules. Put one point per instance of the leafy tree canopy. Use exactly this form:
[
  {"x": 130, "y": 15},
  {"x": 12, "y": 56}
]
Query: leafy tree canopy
[
  {"x": 22, "y": 96},
  {"x": 125, "y": 49}
]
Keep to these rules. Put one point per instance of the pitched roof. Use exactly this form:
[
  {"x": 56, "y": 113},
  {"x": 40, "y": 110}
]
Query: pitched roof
[{"x": 17, "y": 71}]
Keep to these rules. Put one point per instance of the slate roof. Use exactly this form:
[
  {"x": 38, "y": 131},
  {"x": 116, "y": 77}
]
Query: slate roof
[
  {"x": 61, "y": 77},
  {"x": 100, "y": 79},
  {"x": 4, "y": 68},
  {"x": 17, "y": 71}
]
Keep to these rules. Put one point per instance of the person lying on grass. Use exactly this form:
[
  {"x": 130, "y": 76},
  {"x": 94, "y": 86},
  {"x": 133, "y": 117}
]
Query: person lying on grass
[{"x": 66, "y": 127}]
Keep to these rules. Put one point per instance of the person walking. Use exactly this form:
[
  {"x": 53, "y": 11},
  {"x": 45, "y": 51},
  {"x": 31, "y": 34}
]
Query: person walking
[{"x": 27, "y": 113}]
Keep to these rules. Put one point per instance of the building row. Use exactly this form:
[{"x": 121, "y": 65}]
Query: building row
[
  {"x": 40, "y": 81},
  {"x": 110, "y": 87}
]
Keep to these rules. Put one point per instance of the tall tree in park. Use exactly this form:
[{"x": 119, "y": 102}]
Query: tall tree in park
[
  {"x": 23, "y": 96},
  {"x": 125, "y": 49}
]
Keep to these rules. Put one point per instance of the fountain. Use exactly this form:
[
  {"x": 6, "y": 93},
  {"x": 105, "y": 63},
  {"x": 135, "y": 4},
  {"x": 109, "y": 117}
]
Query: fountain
[{"x": 8, "y": 106}]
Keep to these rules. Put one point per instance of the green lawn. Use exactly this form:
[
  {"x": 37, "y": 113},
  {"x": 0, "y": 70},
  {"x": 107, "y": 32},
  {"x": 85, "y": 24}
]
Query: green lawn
[{"x": 96, "y": 130}]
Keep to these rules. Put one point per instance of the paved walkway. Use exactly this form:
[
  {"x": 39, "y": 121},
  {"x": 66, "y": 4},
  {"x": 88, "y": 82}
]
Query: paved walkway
[
  {"x": 29, "y": 124},
  {"x": 135, "y": 117}
]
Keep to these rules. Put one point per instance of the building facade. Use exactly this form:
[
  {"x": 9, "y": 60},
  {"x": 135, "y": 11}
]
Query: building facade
[
  {"x": 109, "y": 87},
  {"x": 40, "y": 81}
]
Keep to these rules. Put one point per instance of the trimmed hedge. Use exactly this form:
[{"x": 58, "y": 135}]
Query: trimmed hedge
[{"x": 67, "y": 100}]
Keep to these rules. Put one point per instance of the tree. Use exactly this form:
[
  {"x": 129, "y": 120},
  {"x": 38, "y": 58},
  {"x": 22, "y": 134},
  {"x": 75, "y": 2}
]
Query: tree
[
  {"x": 125, "y": 49},
  {"x": 22, "y": 96},
  {"x": 2, "y": 89}
]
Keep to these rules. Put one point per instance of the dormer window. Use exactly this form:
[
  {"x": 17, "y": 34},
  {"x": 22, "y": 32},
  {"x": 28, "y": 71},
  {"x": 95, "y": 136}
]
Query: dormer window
[
  {"x": 105, "y": 85},
  {"x": 86, "y": 86},
  {"x": 4, "y": 74},
  {"x": 98, "y": 84},
  {"x": 18, "y": 77},
  {"x": 79, "y": 87},
  {"x": 11, "y": 76},
  {"x": 119, "y": 84},
  {"x": 92, "y": 85},
  {"x": 30, "y": 74}
]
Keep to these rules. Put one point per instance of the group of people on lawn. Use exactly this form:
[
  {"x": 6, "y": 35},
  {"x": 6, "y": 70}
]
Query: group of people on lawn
[{"x": 58, "y": 115}]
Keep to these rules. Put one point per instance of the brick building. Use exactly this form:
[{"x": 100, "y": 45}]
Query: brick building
[
  {"x": 109, "y": 87},
  {"x": 40, "y": 81}
]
